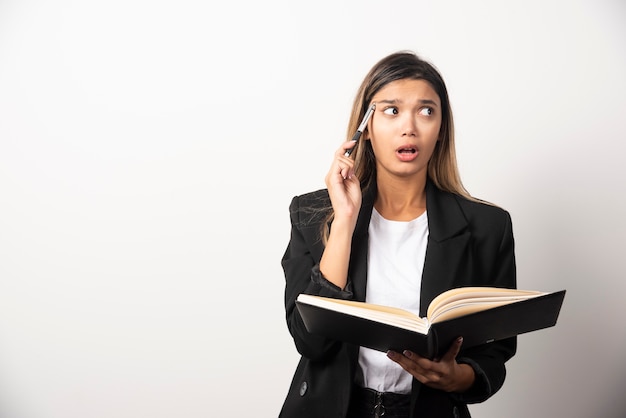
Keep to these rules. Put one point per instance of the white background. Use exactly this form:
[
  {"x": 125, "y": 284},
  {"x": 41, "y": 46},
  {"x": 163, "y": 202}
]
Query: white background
[{"x": 149, "y": 151}]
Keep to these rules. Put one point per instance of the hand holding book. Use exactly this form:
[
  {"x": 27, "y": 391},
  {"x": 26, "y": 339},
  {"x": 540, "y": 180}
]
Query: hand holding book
[{"x": 444, "y": 374}]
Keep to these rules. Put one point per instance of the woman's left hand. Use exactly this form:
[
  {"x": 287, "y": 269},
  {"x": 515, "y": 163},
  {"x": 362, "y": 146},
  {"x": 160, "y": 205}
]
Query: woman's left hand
[{"x": 443, "y": 374}]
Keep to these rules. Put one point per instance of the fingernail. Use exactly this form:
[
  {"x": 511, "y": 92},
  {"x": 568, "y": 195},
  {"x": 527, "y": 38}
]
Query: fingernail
[
  {"x": 407, "y": 353},
  {"x": 391, "y": 354}
]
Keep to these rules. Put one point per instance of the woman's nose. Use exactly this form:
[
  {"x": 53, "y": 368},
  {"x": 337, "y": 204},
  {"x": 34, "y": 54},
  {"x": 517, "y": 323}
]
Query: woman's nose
[{"x": 409, "y": 127}]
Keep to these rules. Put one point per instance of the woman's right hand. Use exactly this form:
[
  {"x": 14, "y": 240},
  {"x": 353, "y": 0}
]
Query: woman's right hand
[{"x": 343, "y": 186}]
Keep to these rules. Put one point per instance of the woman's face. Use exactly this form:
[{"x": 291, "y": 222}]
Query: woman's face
[{"x": 405, "y": 127}]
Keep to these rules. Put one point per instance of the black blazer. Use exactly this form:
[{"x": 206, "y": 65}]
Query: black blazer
[{"x": 469, "y": 244}]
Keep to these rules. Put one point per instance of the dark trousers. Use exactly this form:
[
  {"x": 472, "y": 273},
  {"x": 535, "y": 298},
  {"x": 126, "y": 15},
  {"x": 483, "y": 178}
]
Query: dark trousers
[{"x": 367, "y": 403}]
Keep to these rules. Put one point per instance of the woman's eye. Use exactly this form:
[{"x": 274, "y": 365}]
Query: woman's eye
[
  {"x": 426, "y": 111},
  {"x": 391, "y": 111}
]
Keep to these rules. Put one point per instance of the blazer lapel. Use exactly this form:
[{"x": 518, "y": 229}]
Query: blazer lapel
[
  {"x": 358, "y": 265},
  {"x": 448, "y": 254}
]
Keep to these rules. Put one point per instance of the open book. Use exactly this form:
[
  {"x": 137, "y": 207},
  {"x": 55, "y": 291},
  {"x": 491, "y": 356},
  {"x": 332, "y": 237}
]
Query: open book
[{"x": 478, "y": 314}]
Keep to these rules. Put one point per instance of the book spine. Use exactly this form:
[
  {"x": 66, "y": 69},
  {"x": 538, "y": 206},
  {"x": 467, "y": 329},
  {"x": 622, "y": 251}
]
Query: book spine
[{"x": 432, "y": 344}]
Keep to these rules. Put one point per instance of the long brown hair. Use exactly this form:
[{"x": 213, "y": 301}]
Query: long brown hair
[{"x": 442, "y": 167}]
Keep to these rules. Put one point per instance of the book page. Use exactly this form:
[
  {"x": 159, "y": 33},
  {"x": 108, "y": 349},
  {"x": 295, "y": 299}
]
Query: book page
[
  {"x": 461, "y": 309},
  {"x": 465, "y": 300},
  {"x": 384, "y": 314}
]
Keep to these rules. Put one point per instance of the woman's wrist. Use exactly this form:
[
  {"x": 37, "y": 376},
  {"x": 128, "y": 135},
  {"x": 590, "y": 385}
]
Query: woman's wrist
[{"x": 466, "y": 378}]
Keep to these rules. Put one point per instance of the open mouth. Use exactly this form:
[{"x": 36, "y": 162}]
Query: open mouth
[{"x": 409, "y": 150}]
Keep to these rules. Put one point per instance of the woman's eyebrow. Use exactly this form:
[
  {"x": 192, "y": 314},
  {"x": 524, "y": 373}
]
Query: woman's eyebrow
[
  {"x": 429, "y": 102},
  {"x": 397, "y": 101}
]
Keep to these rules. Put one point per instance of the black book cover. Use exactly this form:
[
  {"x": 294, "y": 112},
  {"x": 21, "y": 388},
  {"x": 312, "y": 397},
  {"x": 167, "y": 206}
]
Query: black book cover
[{"x": 477, "y": 328}]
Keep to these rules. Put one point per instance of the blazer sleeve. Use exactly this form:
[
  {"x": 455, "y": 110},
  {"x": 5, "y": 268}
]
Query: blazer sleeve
[{"x": 300, "y": 264}]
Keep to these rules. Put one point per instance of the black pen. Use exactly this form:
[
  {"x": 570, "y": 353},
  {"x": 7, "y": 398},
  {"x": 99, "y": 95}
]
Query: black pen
[{"x": 361, "y": 128}]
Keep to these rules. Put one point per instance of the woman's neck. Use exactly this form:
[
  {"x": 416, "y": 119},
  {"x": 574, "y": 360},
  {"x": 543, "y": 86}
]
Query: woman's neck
[{"x": 401, "y": 199}]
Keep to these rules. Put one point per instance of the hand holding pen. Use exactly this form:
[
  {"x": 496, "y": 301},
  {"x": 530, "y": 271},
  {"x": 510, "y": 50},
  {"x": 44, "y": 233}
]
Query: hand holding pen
[
  {"x": 361, "y": 128},
  {"x": 343, "y": 186}
]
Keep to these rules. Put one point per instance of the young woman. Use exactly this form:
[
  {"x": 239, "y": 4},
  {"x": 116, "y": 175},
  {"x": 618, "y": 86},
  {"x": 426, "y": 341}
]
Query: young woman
[{"x": 394, "y": 226}]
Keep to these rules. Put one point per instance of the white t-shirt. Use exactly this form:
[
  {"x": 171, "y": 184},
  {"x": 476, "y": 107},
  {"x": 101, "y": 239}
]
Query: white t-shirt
[{"x": 397, "y": 251}]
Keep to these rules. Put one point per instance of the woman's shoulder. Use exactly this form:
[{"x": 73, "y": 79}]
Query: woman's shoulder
[
  {"x": 314, "y": 199},
  {"x": 482, "y": 212},
  {"x": 468, "y": 204},
  {"x": 310, "y": 208},
  {"x": 481, "y": 206}
]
